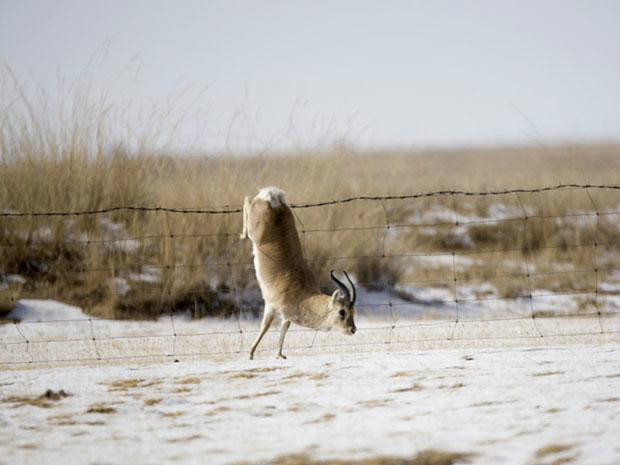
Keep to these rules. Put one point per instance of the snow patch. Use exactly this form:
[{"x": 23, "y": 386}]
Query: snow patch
[
  {"x": 149, "y": 274},
  {"x": 44, "y": 310}
]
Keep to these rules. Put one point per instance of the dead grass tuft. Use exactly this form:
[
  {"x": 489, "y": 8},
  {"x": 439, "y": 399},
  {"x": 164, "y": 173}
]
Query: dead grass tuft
[
  {"x": 217, "y": 411},
  {"x": 63, "y": 419},
  {"x": 45, "y": 400},
  {"x": 182, "y": 390},
  {"x": 29, "y": 445},
  {"x": 258, "y": 394},
  {"x": 124, "y": 384},
  {"x": 374, "y": 403},
  {"x": 413, "y": 388},
  {"x": 242, "y": 375},
  {"x": 554, "y": 410},
  {"x": 425, "y": 457},
  {"x": 487, "y": 403},
  {"x": 547, "y": 373},
  {"x": 451, "y": 386},
  {"x": 193, "y": 437},
  {"x": 101, "y": 408},
  {"x": 552, "y": 449},
  {"x": 325, "y": 418},
  {"x": 152, "y": 401},
  {"x": 189, "y": 381}
]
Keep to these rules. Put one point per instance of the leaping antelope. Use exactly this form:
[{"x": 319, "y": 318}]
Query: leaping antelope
[{"x": 288, "y": 285}]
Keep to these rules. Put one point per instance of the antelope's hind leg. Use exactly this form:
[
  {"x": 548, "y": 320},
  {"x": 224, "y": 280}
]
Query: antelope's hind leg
[
  {"x": 283, "y": 330},
  {"x": 264, "y": 327}
]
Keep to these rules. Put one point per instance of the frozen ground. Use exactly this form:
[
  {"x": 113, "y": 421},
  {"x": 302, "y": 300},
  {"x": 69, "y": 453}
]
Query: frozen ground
[
  {"x": 503, "y": 405},
  {"x": 495, "y": 389}
]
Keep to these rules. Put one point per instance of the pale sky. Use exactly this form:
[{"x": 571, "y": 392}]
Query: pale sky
[{"x": 280, "y": 74}]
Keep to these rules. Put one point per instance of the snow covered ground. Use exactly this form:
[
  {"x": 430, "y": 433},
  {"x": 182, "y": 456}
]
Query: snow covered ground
[
  {"x": 495, "y": 389},
  {"x": 514, "y": 405},
  {"x": 46, "y": 332}
]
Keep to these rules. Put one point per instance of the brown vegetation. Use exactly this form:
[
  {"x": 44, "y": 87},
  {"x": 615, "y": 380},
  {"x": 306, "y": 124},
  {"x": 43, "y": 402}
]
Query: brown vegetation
[
  {"x": 425, "y": 457},
  {"x": 45, "y": 400},
  {"x": 101, "y": 408},
  {"x": 136, "y": 264}
]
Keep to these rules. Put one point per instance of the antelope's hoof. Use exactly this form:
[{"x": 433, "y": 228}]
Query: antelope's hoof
[{"x": 281, "y": 356}]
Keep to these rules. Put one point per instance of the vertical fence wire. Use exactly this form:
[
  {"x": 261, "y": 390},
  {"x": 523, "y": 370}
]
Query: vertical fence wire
[{"x": 382, "y": 282}]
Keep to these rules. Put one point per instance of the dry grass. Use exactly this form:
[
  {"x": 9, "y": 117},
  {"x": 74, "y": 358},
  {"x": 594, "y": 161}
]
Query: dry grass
[
  {"x": 189, "y": 381},
  {"x": 45, "y": 400},
  {"x": 258, "y": 394},
  {"x": 425, "y": 457},
  {"x": 413, "y": 388},
  {"x": 552, "y": 449},
  {"x": 325, "y": 418},
  {"x": 124, "y": 384},
  {"x": 101, "y": 408},
  {"x": 72, "y": 166}
]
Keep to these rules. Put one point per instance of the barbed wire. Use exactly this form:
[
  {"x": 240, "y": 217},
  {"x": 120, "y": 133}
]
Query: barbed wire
[
  {"x": 174, "y": 235},
  {"x": 399, "y": 309},
  {"x": 227, "y": 209}
]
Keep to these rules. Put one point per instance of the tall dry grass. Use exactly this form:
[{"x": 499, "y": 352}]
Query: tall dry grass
[{"x": 71, "y": 165}]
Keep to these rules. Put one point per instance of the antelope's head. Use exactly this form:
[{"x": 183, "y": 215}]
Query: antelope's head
[{"x": 342, "y": 306}]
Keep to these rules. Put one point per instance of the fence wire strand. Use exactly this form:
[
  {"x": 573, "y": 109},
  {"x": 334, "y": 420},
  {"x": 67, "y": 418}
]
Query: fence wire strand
[{"x": 95, "y": 332}]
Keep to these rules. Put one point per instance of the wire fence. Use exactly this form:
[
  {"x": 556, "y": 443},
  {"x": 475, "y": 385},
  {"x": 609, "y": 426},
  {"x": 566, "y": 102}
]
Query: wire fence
[{"x": 453, "y": 296}]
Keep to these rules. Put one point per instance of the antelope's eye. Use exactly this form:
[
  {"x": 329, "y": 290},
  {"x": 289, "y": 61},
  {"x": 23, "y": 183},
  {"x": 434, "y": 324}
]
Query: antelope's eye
[{"x": 342, "y": 314}]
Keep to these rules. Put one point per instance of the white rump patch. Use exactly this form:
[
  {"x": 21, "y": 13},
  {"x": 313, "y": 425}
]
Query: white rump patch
[{"x": 273, "y": 195}]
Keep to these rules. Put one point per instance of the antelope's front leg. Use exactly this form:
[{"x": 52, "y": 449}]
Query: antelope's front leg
[
  {"x": 246, "y": 212},
  {"x": 283, "y": 330}
]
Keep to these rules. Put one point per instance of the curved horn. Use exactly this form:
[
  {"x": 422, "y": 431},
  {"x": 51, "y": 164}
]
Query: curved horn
[
  {"x": 341, "y": 285},
  {"x": 352, "y": 288}
]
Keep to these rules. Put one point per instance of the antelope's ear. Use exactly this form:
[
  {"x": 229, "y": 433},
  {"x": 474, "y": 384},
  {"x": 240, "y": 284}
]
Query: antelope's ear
[{"x": 335, "y": 297}]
